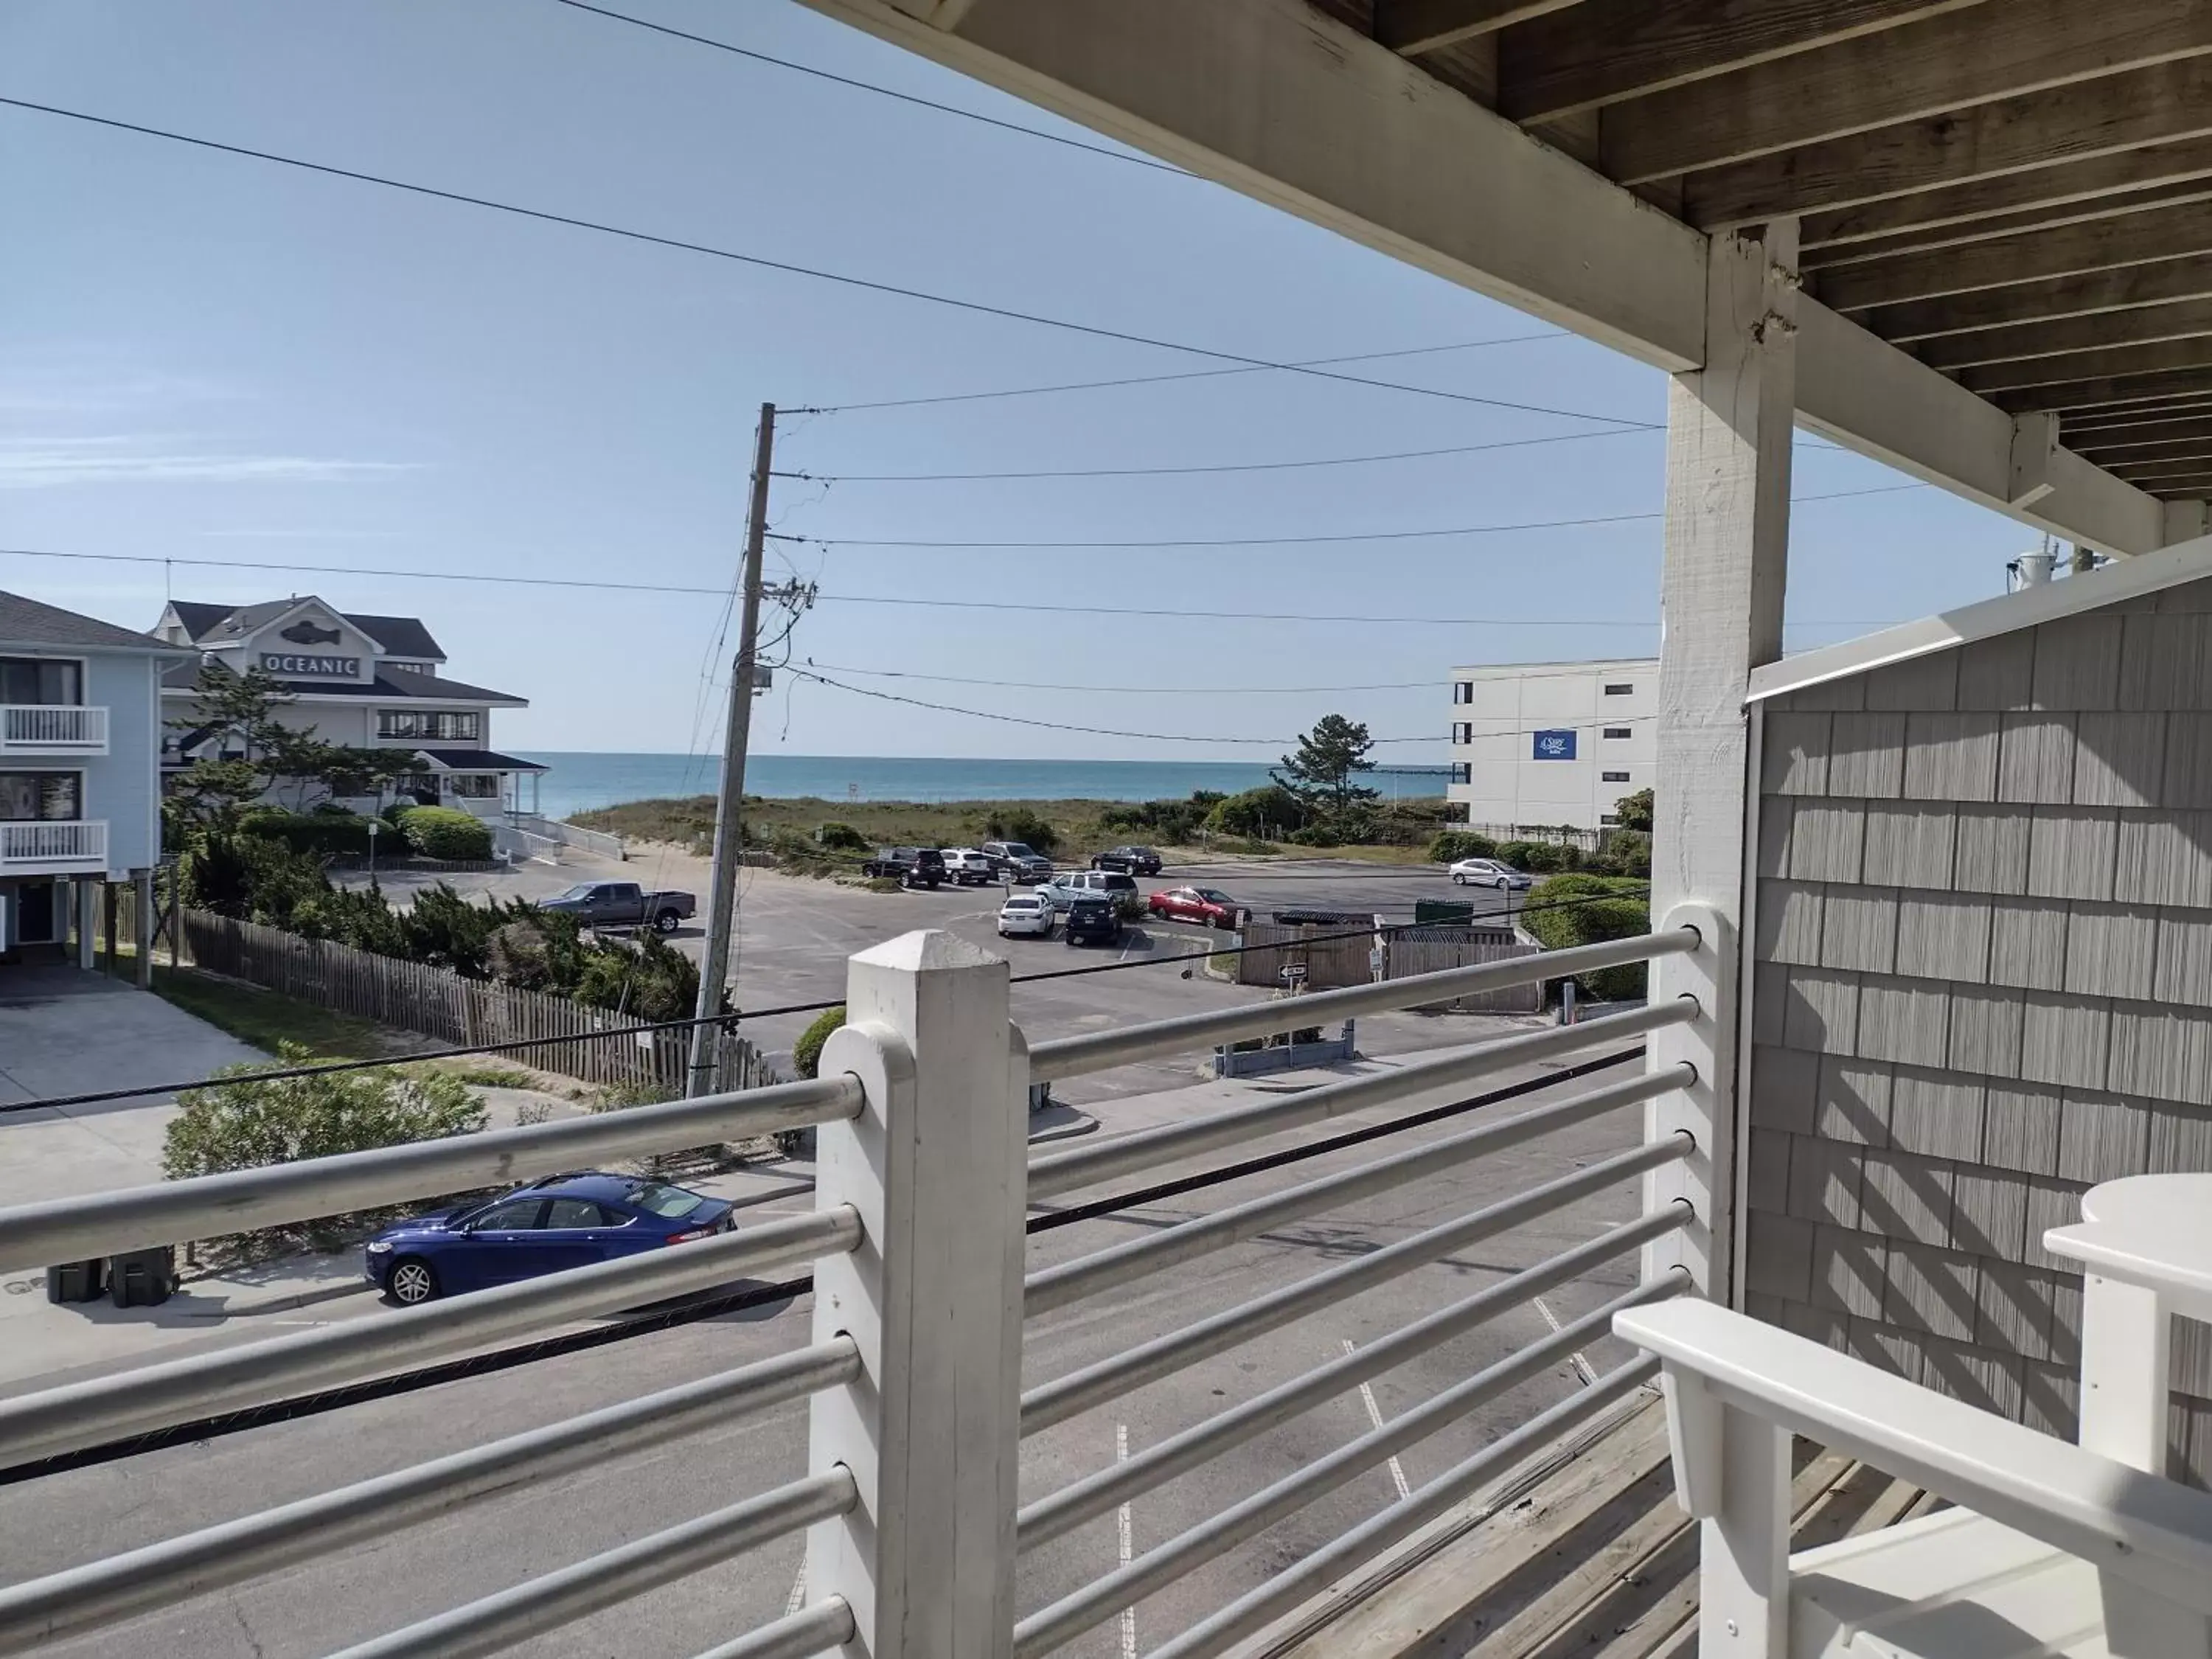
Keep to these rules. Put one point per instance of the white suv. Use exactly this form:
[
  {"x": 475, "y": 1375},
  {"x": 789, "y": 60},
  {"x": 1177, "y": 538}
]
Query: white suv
[
  {"x": 966, "y": 867},
  {"x": 1069, "y": 885}
]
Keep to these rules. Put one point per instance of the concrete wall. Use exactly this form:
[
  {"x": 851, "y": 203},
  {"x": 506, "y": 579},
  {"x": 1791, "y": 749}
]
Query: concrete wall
[
  {"x": 1508, "y": 784},
  {"x": 1983, "y": 982}
]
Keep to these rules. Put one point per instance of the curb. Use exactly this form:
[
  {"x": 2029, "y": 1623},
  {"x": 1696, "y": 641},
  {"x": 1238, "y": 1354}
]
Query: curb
[
  {"x": 286, "y": 1301},
  {"x": 1085, "y": 1124}
]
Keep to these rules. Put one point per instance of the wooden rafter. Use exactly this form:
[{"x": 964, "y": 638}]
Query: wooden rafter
[
  {"x": 1965, "y": 232},
  {"x": 2134, "y": 239},
  {"x": 2116, "y": 389},
  {"x": 2131, "y": 173},
  {"x": 1412, "y": 27},
  {"x": 1605, "y": 51},
  {"x": 2177, "y": 417},
  {"x": 2159, "y": 104},
  {"x": 2111, "y": 362},
  {"x": 2125, "y": 454},
  {"x": 1943, "y": 64},
  {"x": 2060, "y": 296},
  {"x": 2139, "y": 327}
]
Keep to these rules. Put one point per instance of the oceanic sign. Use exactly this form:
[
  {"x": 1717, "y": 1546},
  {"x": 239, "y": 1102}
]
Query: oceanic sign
[
  {"x": 1554, "y": 746},
  {"x": 293, "y": 666},
  {"x": 304, "y": 632}
]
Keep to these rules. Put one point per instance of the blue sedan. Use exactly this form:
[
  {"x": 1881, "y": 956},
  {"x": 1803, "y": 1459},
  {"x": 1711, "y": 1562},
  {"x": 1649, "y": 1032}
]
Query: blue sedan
[{"x": 563, "y": 1221}]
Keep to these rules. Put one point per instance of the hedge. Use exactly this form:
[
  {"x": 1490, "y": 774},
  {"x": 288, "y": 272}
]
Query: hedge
[
  {"x": 308, "y": 832},
  {"x": 1610, "y": 907},
  {"x": 1450, "y": 846},
  {"x": 446, "y": 832}
]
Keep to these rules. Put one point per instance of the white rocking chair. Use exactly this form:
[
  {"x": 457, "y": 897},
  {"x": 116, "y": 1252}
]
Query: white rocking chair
[{"x": 2054, "y": 1550}]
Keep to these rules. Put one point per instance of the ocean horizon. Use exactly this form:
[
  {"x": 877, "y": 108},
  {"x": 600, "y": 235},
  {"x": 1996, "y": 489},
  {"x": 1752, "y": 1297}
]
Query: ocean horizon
[{"x": 580, "y": 782}]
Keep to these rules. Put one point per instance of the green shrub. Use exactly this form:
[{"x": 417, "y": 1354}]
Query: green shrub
[
  {"x": 1608, "y": 906},
  {"x": 1540, "y": 857},
  {"x": 1269, "y": 810},
  {"x": 807, "y": 1053},
  {"x": 843, "y": 837},
  {"x": 319, "y": 832},
  {"x": 398, "y": 812},
  {"x": 1450, "y": 846},
  {"x": 1316, "y": 835},
  {"x": 447, "y": 832},
  {"x": 1020, "y": 823},
  {"x": 1171, "y": 821},
  {"x": 1131, "y": 907},
  {"x": 247, "y": 1121}
]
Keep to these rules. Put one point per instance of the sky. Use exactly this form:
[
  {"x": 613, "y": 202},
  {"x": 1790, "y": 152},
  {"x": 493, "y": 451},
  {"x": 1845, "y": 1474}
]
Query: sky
[{"x": 206, "y": 358}]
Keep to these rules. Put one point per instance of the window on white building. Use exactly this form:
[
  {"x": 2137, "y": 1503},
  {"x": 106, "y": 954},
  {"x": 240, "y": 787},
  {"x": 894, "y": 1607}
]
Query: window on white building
[
  {"x": 1462, "y": 772},
  {"x": 1464, "y": 731},
  {"x": 55, "y": 797},
  {"x": 1616, "y": 777},
  {"x": 1462, "y": 690},
  {"x": 1619, "y": 688},
  {"x": 1617, "y": 731},
  {"x": 437, "y": 724},
  {"x": 475, "y": 785}
]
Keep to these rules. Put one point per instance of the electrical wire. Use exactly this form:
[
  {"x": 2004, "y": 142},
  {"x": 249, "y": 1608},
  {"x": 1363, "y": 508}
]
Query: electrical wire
[
  {"x": 1178, "y": 690},
  {"x": 282, "y": 1073},
  {"x": 761, "y": 262},
  {"x": 1186, "y": 471},
  {"x": 881, "y": 92}
]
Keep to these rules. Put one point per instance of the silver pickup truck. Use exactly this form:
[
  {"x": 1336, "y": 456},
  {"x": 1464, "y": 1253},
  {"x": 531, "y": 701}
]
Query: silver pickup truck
[{"x": 624, "y": 904}]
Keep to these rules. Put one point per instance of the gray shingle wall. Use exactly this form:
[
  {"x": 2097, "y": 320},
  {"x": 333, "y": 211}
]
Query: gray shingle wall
[{"x": 1983, "y": 984}]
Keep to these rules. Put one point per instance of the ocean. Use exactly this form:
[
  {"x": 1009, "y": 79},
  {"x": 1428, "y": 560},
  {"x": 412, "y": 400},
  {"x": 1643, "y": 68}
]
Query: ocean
[{"x": 578, "y": 782}]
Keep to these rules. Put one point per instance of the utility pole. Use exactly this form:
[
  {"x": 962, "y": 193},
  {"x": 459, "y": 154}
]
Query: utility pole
[{"x": 729, "y": 812}]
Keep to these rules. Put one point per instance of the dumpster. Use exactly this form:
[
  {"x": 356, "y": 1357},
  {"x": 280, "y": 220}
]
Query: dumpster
[
  {"x": 141, "y": 1279},
  {"x": 76, "y": 1281}
]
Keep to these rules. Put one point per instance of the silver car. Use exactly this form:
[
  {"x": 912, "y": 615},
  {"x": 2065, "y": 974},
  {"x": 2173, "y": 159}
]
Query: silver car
[{"x": 1487, "y": 873}]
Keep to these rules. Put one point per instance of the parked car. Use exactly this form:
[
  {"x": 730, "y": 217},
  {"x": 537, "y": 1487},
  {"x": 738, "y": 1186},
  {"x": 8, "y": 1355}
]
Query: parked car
[
  {"x": 909, "y": 867},
  {"x": 964, "y": 866},
  {"x": 1027, "y": 916},
  {"x": 1017, "y": 860},
  {"x": 1209, "y": 905},
  {"x": 561, "y": 1221},
  {"x": 1487, "y": 873},
  {"x": 1069, "y": 885},
  {"x": 1093, "y": 918},
  {"x": 1137, "y": 860},
  {"x": 624, "y": 904}
]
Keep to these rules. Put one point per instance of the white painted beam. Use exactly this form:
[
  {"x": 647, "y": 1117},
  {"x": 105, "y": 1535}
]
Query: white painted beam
[
  {"x": 2034, "y": 443},
  {"x": 1275, "y": 99}
]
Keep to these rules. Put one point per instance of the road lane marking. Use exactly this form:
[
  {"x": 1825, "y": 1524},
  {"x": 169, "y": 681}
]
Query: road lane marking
[
  {"x": 1374, "y": 1416},
  {"x": 1583, "y": 1369},
  {"x": 1128, "y": 1544}
]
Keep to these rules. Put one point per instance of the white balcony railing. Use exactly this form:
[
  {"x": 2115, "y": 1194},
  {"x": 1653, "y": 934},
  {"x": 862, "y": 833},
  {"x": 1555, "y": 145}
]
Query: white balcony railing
[
  {"x": 41, "y": 728},
  {"x": 923, "y": 1303},
  {"x": 56, "y": 847}
]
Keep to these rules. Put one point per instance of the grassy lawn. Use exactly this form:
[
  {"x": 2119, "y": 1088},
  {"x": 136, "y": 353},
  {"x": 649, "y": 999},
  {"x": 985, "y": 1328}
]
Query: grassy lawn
[{"x": 264, "y": 1018}]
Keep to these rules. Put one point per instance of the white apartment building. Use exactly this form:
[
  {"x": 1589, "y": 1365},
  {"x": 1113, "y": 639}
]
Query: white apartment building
[{"x": 1536, "y": 745}]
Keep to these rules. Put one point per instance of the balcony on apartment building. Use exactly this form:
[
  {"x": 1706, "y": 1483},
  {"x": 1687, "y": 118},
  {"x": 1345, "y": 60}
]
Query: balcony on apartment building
[
  {"x": 53, "y": 847},
  {"x": 41, "y": 728}
]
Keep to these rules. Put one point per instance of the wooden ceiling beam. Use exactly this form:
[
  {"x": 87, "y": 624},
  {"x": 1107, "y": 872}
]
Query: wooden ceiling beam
[
  {"x": 1966, "y": 233},
  {"x": 2141, "y": 326},
  {"x": 2165, "y": 104},
  {"x": 2104, "y": 393},
  {"x": 2110, "y": 364},
  {"x": 1411, "y": 26},
  {"x": 2177, "y": 417},
  {"x": 1954, "y": 61},
  {"x": 2124, "y": 452},
  {"x": 2091, "y": 184},
  {"x": 1605, "y": 51},
  {"x": 2060, "y": 296},
  {"x": 2135, "y": 239}
]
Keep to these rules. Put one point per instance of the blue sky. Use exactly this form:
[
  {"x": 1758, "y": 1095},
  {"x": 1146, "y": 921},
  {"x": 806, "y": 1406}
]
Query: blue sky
[{"x": 204, "y": 357}]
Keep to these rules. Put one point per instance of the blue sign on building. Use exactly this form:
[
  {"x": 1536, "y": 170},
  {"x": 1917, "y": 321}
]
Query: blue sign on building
[{"x": 1554, "y": 746}]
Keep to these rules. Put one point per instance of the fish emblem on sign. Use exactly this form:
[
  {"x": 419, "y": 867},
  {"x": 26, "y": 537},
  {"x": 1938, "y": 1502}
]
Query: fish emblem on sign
[
  {"x": 304, "y": 632},
  {"x": 1554, "y": 746}
]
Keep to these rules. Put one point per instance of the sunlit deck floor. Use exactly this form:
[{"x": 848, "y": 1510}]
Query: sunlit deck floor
[{"x": 1583, "y": 1556}]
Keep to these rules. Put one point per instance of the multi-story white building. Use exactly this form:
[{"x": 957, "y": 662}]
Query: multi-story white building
[
  {"x": 366, "y": 681},
  {"x": 1543, "y": 744}
]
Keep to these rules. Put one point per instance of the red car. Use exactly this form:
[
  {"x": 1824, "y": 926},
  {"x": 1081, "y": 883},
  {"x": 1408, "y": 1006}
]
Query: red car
[{"x": 1209, "y": 905}]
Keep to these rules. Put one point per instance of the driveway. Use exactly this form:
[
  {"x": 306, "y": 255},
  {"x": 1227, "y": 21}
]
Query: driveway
[{"x": 62, "y": 1032}]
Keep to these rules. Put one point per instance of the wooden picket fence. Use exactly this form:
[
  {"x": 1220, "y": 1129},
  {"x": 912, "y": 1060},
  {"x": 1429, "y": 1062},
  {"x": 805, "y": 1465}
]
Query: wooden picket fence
[{"x": 601, "y": 1048}]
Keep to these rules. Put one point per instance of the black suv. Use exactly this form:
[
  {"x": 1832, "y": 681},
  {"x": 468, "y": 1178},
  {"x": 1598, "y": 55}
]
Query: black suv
[
  {"x": 1093, "y": 921},
  {"x": 910, "y": 866},
  {"x": 1136, "y": 860}
]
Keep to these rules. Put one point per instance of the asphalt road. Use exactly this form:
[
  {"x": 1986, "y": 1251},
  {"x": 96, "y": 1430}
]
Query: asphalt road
[{"x": 408, "y": 1574}]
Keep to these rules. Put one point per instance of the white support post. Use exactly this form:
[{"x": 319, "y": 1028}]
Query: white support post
[
  {"x": 1727, "y": 556},
  {"x": 1732, "y": 1477},
  {"x": 88, "y": 922},
  {"x": 2125, "y": 1340},
  {"x": 936, "y": 1164}
]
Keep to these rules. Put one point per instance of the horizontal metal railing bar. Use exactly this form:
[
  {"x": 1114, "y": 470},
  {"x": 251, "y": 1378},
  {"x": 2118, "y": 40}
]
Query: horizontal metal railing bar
[
  {"x": 1096, "y": 1051},
  {"x": 560, "y": 1598},
  {"x": 1107, "y": 1379},
  {"x": 146, "y": 1397},
  {"x": 34, "y": 1236},
  {"x": 823, "y": 1628},
  {"x": 1223, "y": 1631},
  {"x": 104, "y": 1592},
  {"x": 1057, "y": 1287},
  {"x": 1069, "y": 1617},
  {"x": 1062, "y": 1511},
  {"x": 1117, "y": 1155}
]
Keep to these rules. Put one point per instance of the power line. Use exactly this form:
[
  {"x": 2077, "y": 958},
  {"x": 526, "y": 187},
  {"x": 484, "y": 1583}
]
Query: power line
[
  {"x": 1180, "y": 690},
  {"x": 1184, "y": 471},
  {"x": 761, "y": 262},
  {"x": 1194, "y": 374},
  {"x": 883, "y": 91},
  {"x": 604, "y": 586},
  {"x": 281, "y": 1074},
  {"x": 1331, "y": 539}
]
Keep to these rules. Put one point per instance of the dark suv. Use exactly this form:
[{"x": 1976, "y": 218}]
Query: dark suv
[
  {"x": 910, "y": 866},
  {"x": 1093, "y": 921},
  {"x": 1136, "y": 860}
]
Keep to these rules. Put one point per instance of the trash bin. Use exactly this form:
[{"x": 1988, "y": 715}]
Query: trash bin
[
  {"x": 141, "y": 1279},
  {"x": 76, "y": 1281}
]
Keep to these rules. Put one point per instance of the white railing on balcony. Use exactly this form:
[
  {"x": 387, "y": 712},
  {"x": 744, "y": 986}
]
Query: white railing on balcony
[
  {"x": 28, "y": 728},
  {"x": 909, "y": 1499},
  {"x": 40, "y": 846}
]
